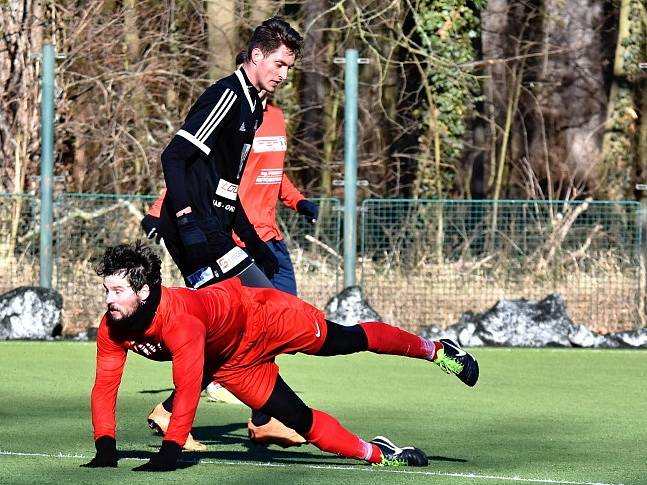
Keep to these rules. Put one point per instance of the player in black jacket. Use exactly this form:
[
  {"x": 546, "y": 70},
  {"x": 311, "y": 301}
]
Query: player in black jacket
[
  {"x": 203, "y": 165},
  {"x": 204, "y": 162}
]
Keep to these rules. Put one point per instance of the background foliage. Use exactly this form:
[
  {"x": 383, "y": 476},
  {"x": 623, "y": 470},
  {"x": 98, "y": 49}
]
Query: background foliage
[{"x": 541, "y": 98}]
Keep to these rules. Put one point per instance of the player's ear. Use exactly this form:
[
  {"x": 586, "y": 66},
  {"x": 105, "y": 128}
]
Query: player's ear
[
  {"x": 257, "y": 55},
  {"x": 144, "y": 293}
]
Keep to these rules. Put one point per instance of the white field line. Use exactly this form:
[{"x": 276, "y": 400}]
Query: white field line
[{"x": 364, "y": 469}]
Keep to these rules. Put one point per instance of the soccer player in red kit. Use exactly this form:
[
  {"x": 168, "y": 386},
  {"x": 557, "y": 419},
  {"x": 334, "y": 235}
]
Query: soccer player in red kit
[{"x": 233, "y": 333}]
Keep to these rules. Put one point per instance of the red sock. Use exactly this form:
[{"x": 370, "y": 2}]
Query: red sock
[
  {"x": 387, "y": 339},
  {"x": 329, "y": 435}
]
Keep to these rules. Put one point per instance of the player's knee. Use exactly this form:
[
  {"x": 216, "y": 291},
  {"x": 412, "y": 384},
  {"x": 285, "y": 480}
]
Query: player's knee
[
  {"x": 342, "y": 340},
  {"x": 284, "y": 405}
]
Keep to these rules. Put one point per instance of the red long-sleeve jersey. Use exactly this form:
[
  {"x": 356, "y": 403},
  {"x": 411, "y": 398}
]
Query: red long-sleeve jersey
[
  {"x": 188, "y": 325},
  {"x": 223, "y": 329},
  {"x": 263, "y": 181}
]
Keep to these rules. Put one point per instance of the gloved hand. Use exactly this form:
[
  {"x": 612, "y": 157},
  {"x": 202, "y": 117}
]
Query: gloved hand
[
  {"x": 194, "y": 242},
  {"x": 106, "y": 453},
  {"x": 263, "y": 257},
  {"x": 309, "y": 210},
  {"x": 165, "y": 460},
  {"x": 150, "y": 224}
]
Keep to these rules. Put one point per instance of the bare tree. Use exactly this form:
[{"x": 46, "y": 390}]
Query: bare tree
[
  {"x": 222, "y": 27},
  {"x": 132, "y": 70},
  {"x": 22, "y": 25}
]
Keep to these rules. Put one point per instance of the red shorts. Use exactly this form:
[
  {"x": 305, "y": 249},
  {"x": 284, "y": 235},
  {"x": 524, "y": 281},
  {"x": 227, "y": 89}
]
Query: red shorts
[{"x": 275, "y": 326}]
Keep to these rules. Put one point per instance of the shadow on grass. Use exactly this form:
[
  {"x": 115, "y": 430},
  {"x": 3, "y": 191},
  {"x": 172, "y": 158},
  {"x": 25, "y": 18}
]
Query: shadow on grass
[
  {"x": 447, "y": 458},
  {"x": 156, "y": 391},
  {"x": 255, "y": 454},
  {"x": 230, "y": 435}
]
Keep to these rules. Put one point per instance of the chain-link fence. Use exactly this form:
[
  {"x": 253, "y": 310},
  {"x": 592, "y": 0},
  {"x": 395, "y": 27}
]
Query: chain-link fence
[
  {"x": 18, "y": 241},
  {"x": 420, "y": 261},
  {"x": 85, "y": 224},
  {"x": 428, "y": 261},
  {"x": 92, "y": 222},
  {"x": 315, "y": 250}
]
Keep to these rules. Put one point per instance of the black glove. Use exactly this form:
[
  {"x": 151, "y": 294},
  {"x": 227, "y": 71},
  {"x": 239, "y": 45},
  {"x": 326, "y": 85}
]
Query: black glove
[
  {"x": 150, "y": 224},
  {"x": 194, "y": 242},
  {"x": 106, "y": 453},
  {"x": 263, "y": 257},
  {"x": 165, "y": 460},
  {"x": 309, "y": 210}
]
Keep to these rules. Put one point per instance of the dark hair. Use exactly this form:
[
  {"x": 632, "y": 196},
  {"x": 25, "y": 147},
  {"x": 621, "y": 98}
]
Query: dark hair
[
  {"x": 273, "y": 33},
  {"x": 241, "y": 58},
  {"x": 139, "y": 264}
]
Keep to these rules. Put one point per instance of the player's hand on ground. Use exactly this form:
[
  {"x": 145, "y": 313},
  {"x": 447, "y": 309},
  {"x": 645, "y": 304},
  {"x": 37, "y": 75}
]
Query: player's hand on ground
[
  {"x": 165, "y": 460},
  {"x": 106, "y": 453},
  {"x": 194, "y": 242},
  {"x": 264, "y": 258},
  {"x": 309, "y": 210},
  {"x": 150, "y": 224}
]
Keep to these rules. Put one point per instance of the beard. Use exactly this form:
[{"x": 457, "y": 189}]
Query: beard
[
  {"x": 140, "y": 317},
  {"x": 118, "y": 314},
  {"x": 122, "y": 317}
]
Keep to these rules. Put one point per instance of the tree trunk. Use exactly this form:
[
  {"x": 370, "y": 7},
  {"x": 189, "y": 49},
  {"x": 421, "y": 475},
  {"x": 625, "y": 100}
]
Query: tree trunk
[
  {"x": 495, "y": 45},
  {"x": 507, "y": 38},
  {"x": 621, "y": 150},
  {"x": 642, "y": 135},
  {"x": 138, "y": 105},
  {"x": 222, "y": 27},
  {"x": 313, "y": 96},
  {"x": 21, "y": 23},
  {"x": 261, "y": 10},
  {"x": 571, "y": 95},
  {"x": 404, "y": 149}
]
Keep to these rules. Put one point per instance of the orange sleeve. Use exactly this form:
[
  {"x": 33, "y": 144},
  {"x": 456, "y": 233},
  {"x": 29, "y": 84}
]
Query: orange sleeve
[
  {"x": 111, "y": 358},
  {"x": 156, "y": 209},
  {"x": 185, "y": 339},
  {"x": 289, "y": 194}
]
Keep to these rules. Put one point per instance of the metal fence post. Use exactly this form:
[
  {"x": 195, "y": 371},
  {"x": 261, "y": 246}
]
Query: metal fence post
[
  {"x": 350, "y": 167},
  {"x": 46, "y": 163},
  {"x": 642, "y": 253},
  {"x": 351, "y": 60}
]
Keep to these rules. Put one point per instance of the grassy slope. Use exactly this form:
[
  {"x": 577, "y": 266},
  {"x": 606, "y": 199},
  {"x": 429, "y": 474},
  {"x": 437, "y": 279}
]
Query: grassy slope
[{"x": 569, "y": 415}]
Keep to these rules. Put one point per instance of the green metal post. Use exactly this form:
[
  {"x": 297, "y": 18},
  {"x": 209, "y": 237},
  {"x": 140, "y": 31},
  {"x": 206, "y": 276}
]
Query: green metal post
[
  {"x": 46, "y": 163},
  {"x": 350, "y": 167}
]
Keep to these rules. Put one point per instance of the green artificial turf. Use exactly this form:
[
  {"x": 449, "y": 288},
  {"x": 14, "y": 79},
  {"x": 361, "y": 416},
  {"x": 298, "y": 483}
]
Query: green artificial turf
[{"x": 536, "y": 416}]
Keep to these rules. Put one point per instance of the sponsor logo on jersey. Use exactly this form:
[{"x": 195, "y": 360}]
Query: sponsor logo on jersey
[
  {"x": 264, "y": 144},
  {"x": 227, "y": 190},
  {"x": 269, "y": 176},
  {"x": 149, "y": 350},
  {"x": 231, "y": 259},
  {"x": 220, "y": 205}
]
